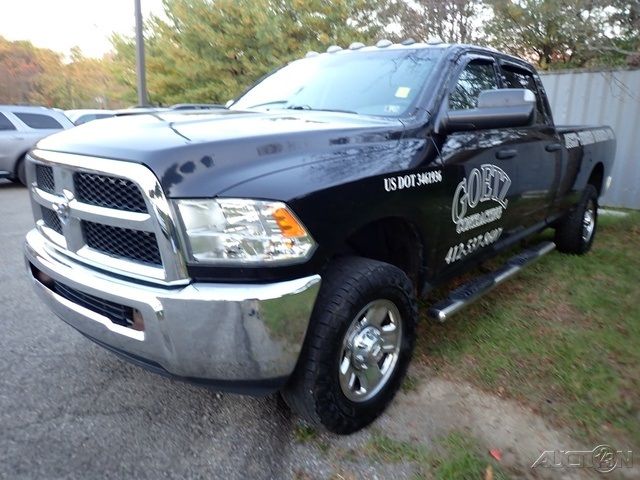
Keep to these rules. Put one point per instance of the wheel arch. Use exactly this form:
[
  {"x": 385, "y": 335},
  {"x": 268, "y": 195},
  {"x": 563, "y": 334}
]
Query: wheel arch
[
  {"x": 20, "y": 158},
  {"x": 394, "y": 240},
  {"x": 596, "y": 177}
]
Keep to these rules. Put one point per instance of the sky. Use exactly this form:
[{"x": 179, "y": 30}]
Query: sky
[{"x": 62, "y": 24}]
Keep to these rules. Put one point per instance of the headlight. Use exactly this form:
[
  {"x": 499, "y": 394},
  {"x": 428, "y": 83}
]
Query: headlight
[{"x": 240, "y": 232}]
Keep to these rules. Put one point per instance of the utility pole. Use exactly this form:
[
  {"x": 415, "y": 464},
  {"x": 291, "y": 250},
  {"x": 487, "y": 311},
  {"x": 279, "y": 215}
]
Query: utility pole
[{"x": 140, "y": 67}]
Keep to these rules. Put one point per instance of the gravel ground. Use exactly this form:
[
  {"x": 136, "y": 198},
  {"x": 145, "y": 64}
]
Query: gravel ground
[{"x": 70, "y": 409}]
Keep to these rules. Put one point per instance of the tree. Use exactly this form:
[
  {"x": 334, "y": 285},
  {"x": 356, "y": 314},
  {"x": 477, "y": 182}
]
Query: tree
[
  {"x": 39, "y": 76},
  {"x": 621, "y": 38},
  {"x": 19, "y": 70},
  {"x": 453, "y": 21},
  {"x": 211, "y": 50},
  {"x": 567, "y": 33}
]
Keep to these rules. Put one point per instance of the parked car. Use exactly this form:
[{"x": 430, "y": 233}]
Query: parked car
[
  {"x": 81, "y": 116},
  {"x": 20, "y": 128},
  {"x": 282, "y": 245}
]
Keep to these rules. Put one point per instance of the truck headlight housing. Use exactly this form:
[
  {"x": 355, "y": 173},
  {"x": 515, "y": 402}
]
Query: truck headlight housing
[{"x": 228, "y": 231}]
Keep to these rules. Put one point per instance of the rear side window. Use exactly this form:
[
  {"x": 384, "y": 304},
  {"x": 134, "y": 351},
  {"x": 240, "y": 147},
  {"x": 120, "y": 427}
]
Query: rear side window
[
  {"x": 5, "y": 123},
  {"x": 38, "y": 121},
  {"x": 516, "y": 78},
  {"x": 476, "y": 77}
]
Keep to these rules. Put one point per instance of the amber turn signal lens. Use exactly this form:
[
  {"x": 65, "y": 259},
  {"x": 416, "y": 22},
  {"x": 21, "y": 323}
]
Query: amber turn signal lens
[{"x": 288, "y": 224}]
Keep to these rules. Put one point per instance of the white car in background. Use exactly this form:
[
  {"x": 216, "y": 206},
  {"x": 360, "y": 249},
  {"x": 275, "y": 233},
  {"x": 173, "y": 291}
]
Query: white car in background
[
  {"x": 20, "y": 128},
  {"x": 84, "y": 115}
]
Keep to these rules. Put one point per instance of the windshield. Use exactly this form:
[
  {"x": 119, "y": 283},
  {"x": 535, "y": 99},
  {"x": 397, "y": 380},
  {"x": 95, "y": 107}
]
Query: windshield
[{"x": 365, "y": 82}]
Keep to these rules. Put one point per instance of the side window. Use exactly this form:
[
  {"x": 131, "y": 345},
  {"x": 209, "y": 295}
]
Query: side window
[
  {"x": 513, "y": 77},
  {"x": 5, "y": 123},
  {"x": 85, "y": 119},
  {"x": 38, "y": 121},
  {"x": 476, "y": 77}
]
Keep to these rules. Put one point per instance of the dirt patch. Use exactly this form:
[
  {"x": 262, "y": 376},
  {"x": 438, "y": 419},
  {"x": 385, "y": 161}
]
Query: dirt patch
[
  {"x": 431, "y": 410},
  {"x": 438, "y": 406}
]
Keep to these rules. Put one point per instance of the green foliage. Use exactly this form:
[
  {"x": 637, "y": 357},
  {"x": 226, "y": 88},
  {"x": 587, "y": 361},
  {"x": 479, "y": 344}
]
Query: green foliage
[
  {"x": 453, "y": 21},
  {"x": 31, "y": 75},
  {"x": 567, "y": 33},
  {"x": 211, "y": 50}
]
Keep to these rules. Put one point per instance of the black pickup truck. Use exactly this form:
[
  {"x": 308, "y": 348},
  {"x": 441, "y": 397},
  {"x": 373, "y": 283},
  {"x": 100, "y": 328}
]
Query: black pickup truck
[{"x": 281, "y": 244}]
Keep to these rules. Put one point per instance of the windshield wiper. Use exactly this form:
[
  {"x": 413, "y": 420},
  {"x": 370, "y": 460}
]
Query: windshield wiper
[
  {"x": 274, "y": 102},
  {"x": 307, "y": 107}
]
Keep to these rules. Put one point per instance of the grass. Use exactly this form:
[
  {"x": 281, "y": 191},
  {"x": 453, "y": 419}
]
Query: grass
[
  {"x": 460, "y": 457},
  {"x": 562, "y": 337},
  {"x": 304, "y": 433},
  {"x": 384, "y": 449},
  {"x": 410, "y": 383},
  {"x": 456, "y": 456}
]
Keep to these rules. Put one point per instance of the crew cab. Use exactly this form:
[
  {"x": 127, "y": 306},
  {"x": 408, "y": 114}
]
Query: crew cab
[{"x": 281, "y": 244}]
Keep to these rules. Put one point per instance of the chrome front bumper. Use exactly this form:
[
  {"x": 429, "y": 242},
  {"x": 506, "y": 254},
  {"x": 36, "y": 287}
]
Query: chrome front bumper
[{"x": 202, "y": 332}]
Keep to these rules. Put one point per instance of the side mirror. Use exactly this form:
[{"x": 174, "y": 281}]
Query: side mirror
[
  {"x": 507, "y": 107},
  {"x": 229, "y": 103}
]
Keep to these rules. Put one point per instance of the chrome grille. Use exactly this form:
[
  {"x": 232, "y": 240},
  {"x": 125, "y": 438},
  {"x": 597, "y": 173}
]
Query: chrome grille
[
  {"x": 109, "y": 192},
  {"x": 108, "y": 214},
  {"x": 44, "y": 178},
  {"x": 51, "y": 220},
  {"x": 122, "y": 242}
]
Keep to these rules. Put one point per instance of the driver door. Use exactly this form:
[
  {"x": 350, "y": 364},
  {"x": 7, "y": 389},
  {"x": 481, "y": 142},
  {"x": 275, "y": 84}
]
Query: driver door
[{"x": 480, "y": 170}]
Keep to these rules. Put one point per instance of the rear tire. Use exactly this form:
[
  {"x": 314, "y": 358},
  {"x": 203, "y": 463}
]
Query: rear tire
[
  {"x": 358, "y": 346},
  {"x": 576, "y": 232}
]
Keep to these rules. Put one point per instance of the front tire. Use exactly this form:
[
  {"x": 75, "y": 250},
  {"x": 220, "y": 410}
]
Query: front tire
[
  {"x": 21, "y": 174},
  {"x": 576, "y": 232},
  {"x": 358, "y": 346}
]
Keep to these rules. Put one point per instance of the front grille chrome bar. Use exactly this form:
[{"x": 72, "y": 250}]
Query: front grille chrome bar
[
  {"x": 158, "y": 218},
  {"x": 93, "y": 213}
]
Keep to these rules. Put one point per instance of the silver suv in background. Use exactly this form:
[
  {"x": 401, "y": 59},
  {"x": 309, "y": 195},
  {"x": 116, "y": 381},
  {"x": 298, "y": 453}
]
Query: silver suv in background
[
  {"x": 80, "y": 116},
  {"x": 20, "y": 128}
]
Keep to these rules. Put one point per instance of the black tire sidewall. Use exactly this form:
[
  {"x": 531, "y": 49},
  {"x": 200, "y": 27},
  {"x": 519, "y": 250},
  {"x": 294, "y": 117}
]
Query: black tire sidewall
[
  {"x": 21, "y": 174},
  {"x": 568, "y": 236},
  {"x": 590, "y": 194},
  {"x": 335, "y": 411}
]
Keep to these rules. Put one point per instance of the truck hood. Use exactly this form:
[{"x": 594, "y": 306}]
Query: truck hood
[{"x": 204, "y": 154}]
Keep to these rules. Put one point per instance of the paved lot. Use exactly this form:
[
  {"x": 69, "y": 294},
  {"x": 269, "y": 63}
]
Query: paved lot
[{"x": 70, "y": 409}]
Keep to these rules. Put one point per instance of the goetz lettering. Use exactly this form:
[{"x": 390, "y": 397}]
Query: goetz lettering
[
  {"x": 487, "y": 183},
  {"x": 412, "y": 180}
]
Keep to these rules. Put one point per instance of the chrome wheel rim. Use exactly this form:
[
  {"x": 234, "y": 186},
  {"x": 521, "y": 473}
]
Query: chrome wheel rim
[
  {"x": 589, "y": 221},
  {"x": 370, "y": 350}
]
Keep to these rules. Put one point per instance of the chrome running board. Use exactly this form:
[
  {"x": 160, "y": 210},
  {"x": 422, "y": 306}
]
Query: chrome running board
[{"x": 477, "y": 287}]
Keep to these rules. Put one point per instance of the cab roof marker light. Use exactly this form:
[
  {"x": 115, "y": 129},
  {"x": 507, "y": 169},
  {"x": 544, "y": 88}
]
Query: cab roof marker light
[
  {"x": 434, "y": 41},
  {"x": 384, "y": 43},
  {"x": 356, "y": 46},
  {"x": 334, "y": 49},
  {"x": 408, "y": 41},
  {"x": 311, "y": 54}
]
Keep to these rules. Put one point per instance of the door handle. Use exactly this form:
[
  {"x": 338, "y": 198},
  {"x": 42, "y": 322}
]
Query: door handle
[
  {"x": 553, "y": 147},
  {"x": 506, "y": 153}
]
